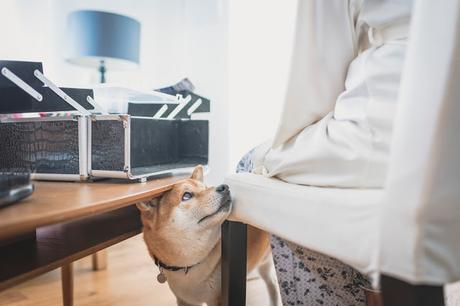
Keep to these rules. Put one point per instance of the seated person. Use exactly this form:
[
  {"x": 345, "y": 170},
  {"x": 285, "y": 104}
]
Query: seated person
[{"x": 336, "y": 127}]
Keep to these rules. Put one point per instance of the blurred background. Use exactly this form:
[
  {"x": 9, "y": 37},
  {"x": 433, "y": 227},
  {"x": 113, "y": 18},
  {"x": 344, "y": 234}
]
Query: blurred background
[{"x": 235, "y": 52}]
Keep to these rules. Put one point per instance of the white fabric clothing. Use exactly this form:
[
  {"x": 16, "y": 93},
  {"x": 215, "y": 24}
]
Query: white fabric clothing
[
  {"x": 336, "y": 124},
  {"x": 324, "y": 121},
  {"x": 421, "y": 210},
  {"x": 347, "y": 231},
  {"x": 304, "y": 276}
]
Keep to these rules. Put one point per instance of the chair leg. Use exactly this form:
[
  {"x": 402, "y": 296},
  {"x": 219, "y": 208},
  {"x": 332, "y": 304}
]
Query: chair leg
[
  {"x": 234, "y": 253},
  {"x": 399, "y": 293},
  {"x": 99, "y": 260},
  {"x": 373, "y": 297},
  {"x": 67, "y": 284}
]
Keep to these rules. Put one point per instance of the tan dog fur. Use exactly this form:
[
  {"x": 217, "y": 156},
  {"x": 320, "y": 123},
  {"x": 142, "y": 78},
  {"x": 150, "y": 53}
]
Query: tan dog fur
[{"x": 187, "y": 233}]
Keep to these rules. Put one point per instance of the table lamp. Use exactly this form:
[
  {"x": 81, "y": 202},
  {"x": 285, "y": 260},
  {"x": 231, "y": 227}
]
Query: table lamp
[{"x": 103, "y": 40}]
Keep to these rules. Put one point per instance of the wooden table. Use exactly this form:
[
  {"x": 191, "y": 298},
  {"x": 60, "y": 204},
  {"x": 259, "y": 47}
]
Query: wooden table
[{"x": 64, "y": 221}]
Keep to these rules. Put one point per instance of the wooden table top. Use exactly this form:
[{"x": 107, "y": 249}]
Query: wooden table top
[{"x": 55, "y": 202}]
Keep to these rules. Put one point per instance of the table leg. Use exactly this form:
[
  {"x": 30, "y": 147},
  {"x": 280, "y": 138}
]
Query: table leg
[
  {"x": 399, "y": 293},
  {"x": 99, "y": 260},
  {"x": 67, "y": 284},
  {"x": 234, "y": 253}
]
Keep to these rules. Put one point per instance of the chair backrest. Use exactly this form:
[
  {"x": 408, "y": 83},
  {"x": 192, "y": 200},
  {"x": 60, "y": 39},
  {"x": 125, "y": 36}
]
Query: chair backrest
[{"x": 420, "y": 229}]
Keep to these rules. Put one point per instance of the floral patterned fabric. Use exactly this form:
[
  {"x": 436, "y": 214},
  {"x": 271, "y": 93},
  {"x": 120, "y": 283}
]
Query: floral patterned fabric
[{"x": 309, "y": 278}]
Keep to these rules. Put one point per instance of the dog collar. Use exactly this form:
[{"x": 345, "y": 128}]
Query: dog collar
[
  {"x": 172, "y": 268},
  {"x": 162, "y": 266}
]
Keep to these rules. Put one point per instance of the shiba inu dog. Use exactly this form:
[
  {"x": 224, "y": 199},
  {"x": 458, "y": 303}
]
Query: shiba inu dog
[{"x": 182, "y": 234}]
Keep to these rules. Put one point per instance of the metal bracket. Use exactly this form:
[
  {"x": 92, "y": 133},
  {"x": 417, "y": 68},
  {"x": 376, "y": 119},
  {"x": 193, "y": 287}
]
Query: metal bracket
[
  {"x": 60, "y": 93},
  {"x": 21, "y": 84},
  {"x": 124, "y": 120}
]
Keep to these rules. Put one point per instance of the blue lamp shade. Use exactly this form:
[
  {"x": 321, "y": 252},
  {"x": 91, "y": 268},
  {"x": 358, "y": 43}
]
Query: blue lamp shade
[{"x": 95, "y": 36}]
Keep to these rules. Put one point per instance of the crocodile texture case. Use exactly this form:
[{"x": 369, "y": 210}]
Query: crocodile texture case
[
  {"x": 50, "y": 148},
  {"x": 137, "y": 147},
  {"x": 59, "y": 140}
]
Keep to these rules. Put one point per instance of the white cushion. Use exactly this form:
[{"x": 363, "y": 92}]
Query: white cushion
[{"x": 341, "y": 223}]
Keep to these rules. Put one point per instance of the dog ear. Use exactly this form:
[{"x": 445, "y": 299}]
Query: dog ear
[
  {"x": 198, "y": 173},
  {"x": 148, "y": 206}
]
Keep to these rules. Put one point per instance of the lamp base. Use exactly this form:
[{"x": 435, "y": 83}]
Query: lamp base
[{"x": 102, "y": 71}]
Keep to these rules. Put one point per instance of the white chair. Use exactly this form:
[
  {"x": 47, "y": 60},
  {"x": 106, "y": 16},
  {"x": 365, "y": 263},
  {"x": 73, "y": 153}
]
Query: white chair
[{"x": 409, "y": 231}]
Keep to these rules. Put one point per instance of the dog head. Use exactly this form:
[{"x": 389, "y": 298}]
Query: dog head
[{"x": 183, "y": 225}]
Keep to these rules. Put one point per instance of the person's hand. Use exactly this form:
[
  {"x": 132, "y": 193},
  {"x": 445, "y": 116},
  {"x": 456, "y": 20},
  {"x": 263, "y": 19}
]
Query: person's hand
[{"x": 259, "y": 157}]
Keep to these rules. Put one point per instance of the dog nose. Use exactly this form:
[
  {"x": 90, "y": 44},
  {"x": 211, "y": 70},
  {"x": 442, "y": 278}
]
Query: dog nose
[{"x": 222, "y": 188}]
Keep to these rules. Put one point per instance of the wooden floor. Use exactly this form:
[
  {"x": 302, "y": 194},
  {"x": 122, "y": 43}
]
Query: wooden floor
[{"x": 129, "y": 280}]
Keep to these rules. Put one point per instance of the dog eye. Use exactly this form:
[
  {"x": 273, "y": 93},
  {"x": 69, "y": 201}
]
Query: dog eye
[{"x": 187, "y": 196}]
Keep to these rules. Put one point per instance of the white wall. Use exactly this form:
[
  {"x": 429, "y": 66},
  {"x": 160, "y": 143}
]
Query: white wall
[
  {"x": 23, "y": 29},
  {"x": 260, "y": 44},
  {"x": 206, "y": 63}
]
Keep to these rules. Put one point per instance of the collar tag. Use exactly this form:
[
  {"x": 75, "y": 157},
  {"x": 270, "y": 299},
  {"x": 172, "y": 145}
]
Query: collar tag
[{"x": 161, "y": 278}]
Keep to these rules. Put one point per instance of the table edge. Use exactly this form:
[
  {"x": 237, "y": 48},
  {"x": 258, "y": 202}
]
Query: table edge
[{"x": 30, "y": 225}]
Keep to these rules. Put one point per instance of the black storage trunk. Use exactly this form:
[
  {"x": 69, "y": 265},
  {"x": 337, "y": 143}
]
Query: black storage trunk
[
  {"x": 137, "y": 147},
  {"x": 58, "y": 142},
  {"x": 51, "y": 147}
]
